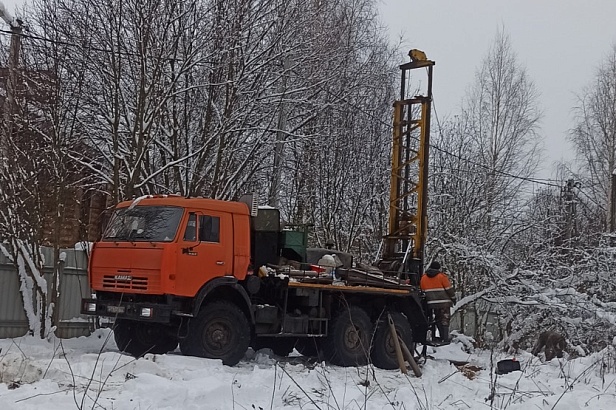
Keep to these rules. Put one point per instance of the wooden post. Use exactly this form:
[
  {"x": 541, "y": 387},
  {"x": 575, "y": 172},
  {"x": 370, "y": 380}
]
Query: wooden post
[
  {"x": 409, "y": 357},
  {"x": 394, "y": 337}
]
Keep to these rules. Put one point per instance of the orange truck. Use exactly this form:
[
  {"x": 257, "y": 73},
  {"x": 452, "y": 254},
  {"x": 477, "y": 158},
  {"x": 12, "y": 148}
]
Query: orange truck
[{"x": 218, "y": 277}]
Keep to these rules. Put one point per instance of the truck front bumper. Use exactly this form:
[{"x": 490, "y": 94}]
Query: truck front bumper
[{"x": 147, "y": 312}]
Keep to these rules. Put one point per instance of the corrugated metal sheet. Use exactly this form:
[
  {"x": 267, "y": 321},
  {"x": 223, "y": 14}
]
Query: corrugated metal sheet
[
  {"x": 13, "y": 321},
  {"x": 73, "y": 286}
]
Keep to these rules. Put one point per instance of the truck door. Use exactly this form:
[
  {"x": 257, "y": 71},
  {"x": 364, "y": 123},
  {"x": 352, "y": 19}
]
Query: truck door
[{"x": 205, "y": 250}]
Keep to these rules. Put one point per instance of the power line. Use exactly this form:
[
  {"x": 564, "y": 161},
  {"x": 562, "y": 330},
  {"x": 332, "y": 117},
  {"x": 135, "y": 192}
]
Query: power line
[
  {"x": 539, "y": 181},
  {"x": 65, "y": 43},
  {"x": 90, "y": 47}
]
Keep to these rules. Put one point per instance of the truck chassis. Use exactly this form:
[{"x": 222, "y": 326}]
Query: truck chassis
[{"x": 344, "y": 324}]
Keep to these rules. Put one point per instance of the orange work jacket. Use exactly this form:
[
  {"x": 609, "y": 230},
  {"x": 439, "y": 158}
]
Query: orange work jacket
[{"x": 438, "y": 289}]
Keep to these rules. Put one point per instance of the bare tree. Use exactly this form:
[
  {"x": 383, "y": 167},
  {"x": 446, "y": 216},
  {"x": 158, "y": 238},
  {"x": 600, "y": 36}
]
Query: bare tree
[
  {"x": 502, "y": 117},
  {"x": 23, "y": 179},
  {"x": 488, "y": 152},
  {"x": 480, "y": 167},
  {"x": 594, "y": 136},
  {"x": 336, "y": 174}
]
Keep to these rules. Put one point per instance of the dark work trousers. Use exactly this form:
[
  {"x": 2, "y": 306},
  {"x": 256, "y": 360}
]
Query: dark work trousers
[{"x": 442, "y": 316}]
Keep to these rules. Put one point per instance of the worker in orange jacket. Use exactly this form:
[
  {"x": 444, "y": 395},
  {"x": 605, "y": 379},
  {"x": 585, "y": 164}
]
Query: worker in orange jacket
[{"x": 440, "y": 296}]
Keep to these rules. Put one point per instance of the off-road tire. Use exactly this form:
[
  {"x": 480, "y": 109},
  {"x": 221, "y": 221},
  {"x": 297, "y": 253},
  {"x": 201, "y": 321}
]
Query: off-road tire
[
  {"x": 348, "y": 339},
  {"x": 383, "y": 350},
  {"x": 220, "y": 331},
  {"x": 139, "y": 338}
]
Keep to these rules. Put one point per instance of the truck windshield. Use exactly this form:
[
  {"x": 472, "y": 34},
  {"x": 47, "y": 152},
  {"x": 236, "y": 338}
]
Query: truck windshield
[{"x": 144, "y": 223}]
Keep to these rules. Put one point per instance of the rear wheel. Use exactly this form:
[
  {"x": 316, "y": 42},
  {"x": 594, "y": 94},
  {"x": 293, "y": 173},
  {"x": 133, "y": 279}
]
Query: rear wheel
[
  {"x": 220, "y": 331},
  {"x": 138, "y": 338},
  {"x": 383, "y": 349},
  {"x": 348, "y": 341}
]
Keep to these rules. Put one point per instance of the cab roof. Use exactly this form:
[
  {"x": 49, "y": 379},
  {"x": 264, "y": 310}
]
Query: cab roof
[{"x": 192, "y": 203}]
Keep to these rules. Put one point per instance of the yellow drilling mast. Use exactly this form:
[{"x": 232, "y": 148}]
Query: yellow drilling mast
[{"x": 403, "y": 250}]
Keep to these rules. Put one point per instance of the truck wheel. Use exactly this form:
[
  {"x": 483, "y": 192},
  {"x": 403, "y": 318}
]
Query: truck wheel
[
  {"x": 220, "y": 331},
  {"x": 383, "y": 350},
  {"x": 138, "y": 338},
  {"x": 348, "y": 339}
]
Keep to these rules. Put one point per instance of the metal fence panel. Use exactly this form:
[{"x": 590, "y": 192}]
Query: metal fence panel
[
  {"x": 13, "y": 322},
  {"x": 73, "y": 286}
]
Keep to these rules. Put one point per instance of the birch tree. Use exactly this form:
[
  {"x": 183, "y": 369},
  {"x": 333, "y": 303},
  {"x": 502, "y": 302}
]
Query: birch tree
[
  {"x": 502, "y": 117},
  {"x": 488, "y": 152},
  {"x": 594, "y": 135},
  {"x": 23, "y": 177},
  {"x": 479, "y": 175}
]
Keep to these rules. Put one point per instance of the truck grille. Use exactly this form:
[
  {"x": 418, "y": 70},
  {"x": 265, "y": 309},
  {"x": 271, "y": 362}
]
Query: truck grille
[{"x": 134, "y": 283}]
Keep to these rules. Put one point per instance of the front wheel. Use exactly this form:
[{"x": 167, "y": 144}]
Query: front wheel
[{"x": 220, "y": 331}]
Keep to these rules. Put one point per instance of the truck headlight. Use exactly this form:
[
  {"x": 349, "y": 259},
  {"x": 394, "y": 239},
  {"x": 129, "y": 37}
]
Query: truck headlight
[
  {"x": 146, "y": 312},
  {"x": 90, "y": 307}
]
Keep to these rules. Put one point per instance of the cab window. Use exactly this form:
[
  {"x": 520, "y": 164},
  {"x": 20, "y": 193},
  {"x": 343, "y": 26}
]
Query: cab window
[
  {"x": 190, "y": 234},
  {"x": 143, "y": 223},
  {"x": 209, "y": 228}
]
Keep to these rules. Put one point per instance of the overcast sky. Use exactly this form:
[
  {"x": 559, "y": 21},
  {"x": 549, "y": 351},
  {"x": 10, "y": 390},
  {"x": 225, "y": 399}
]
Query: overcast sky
[{"x": 561, "y": 43}]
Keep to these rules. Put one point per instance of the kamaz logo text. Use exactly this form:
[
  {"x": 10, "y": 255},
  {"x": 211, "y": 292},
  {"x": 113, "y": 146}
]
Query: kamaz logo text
[{"x": 123, "y": 277}]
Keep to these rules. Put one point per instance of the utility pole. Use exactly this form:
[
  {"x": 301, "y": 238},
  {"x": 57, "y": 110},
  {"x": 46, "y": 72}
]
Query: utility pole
[
  {"x": 272, "y": 199},
  {"x": 613, "y": 203},
  {"x": 16, "y": 26},
  {"x": 570, "y": 211}
]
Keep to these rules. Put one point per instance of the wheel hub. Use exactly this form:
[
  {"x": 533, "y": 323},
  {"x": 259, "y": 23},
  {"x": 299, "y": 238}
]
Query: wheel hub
[
  {"x": 217, "y": 336},
  {"x": 352, "y": 337},
  {"x": 389, "y": 345}
]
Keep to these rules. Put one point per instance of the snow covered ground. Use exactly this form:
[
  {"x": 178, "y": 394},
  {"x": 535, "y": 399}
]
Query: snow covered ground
[{"x": 89, "y": 373}]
